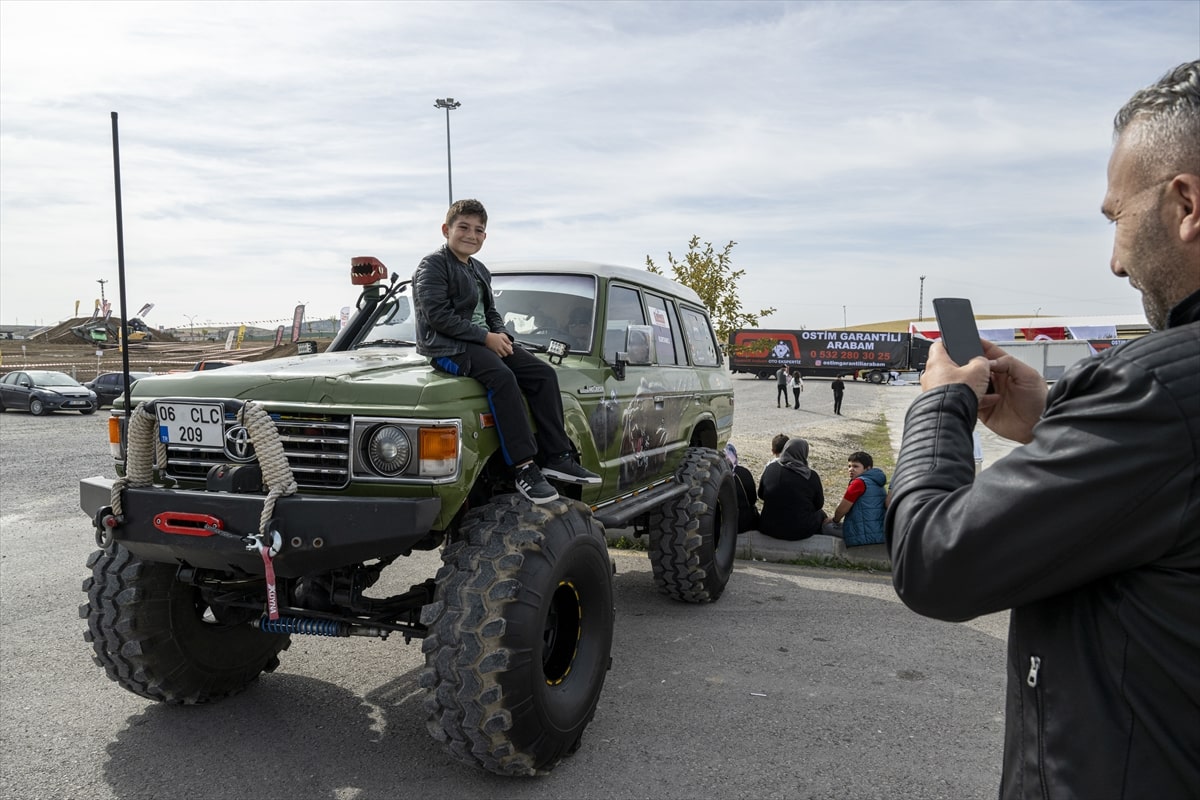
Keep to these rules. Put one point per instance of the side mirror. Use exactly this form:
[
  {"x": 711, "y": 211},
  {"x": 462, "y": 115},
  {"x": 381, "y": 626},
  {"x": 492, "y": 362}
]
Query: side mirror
[{"x": 639, "y": 345}]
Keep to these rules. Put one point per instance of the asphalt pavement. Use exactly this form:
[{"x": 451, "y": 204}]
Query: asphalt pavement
[{"x": 798, "y": 683}]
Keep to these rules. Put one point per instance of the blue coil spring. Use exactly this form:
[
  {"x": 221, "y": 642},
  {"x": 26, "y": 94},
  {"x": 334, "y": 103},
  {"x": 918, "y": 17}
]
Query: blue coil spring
[{"x": 300, "y": 625}]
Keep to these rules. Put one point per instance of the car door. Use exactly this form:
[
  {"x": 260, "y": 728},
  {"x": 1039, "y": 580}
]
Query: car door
[
  {"x": 17, "y": 390},
  {"x": 6, "y": 384},
  {"x": 112, "y": 386},
  {"x": 643, "y": 404}
]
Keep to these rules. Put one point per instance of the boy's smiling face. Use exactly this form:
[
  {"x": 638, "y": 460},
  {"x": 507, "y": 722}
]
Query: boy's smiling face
[{"x": 465, "y": 235}]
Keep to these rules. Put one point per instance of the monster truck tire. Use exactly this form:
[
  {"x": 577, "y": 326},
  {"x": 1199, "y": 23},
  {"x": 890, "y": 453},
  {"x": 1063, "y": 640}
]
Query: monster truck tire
[
  {"x": 520, "y": 632},
  {"x": 152, "y": 636},
  {"x": 693, "y": 538}
]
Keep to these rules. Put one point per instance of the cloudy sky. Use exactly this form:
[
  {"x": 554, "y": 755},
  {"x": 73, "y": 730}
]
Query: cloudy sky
[{"x": 848, "y": 148}]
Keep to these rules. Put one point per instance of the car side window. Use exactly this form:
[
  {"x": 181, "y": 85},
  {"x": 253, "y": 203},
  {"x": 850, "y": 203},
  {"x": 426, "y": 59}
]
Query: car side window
[
  {"x": 666, "y": 329},
  {"x": 624, "y": 309},
  {"x": 700, "y": 339}
]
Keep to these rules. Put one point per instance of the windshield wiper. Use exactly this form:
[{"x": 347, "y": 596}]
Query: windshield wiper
[{"x": 386, "y": 343}]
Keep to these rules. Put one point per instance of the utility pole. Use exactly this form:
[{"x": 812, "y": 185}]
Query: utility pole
[
  {"x": 448, "y": 103},
  {"x": 921, "y": 302}
]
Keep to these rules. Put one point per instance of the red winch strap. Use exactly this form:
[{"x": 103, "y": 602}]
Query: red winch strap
[{"x": 272, "y": 594}]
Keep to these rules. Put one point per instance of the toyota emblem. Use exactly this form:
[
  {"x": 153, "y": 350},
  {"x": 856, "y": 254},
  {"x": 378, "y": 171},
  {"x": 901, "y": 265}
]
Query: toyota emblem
[{"x": 237, "y": 444}]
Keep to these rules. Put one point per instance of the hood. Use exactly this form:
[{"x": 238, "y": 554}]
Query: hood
[
  {"x": 66, "y": 391},
  {"x": 874, "y": 475},
  {"x": 376, "y": 380}
]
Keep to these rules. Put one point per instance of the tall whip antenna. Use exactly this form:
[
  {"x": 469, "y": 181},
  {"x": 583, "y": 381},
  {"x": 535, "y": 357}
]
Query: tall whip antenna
[{"x": 121, "y": 262}]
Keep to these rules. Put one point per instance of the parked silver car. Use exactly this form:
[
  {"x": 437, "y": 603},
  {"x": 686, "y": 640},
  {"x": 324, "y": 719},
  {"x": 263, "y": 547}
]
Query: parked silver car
[{"x": 42, "y": 391}]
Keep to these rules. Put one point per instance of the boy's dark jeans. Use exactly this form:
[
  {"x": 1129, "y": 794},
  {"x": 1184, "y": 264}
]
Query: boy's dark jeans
[{"x": 505, "y": 380}]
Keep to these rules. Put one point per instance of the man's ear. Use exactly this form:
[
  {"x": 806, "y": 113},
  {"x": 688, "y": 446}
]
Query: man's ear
[
  {"x": 1184, "y": 191},
  {"x": 445, "y": 231}
]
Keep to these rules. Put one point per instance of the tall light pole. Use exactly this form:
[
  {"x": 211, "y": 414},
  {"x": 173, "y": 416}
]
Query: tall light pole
[
  {"x": 921, "y": 302},
  {"x": 448, "y": 103},
  {"x": 192, "y": 322}
]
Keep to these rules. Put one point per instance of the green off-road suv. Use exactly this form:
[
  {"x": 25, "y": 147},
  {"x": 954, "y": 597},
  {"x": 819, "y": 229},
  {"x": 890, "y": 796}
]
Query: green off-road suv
[{"x": 264, "y": 500}]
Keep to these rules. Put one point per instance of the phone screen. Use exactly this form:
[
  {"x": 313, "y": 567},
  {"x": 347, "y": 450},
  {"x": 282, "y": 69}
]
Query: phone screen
[{"x": 956, "y": 319}]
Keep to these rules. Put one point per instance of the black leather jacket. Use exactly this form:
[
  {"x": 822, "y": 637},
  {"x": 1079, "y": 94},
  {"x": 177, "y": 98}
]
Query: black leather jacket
[
  {"x": 1091, "y": 535},
  {"x": 445, "y": 293}
]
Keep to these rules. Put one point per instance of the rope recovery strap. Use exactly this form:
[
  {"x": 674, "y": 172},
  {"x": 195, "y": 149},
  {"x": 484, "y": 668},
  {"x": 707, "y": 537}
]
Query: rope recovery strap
[{"x": 145, "y": 450}]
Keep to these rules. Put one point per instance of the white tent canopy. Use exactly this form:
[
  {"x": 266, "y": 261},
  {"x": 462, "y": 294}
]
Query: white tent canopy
[{"x": 1086, "y": 327}]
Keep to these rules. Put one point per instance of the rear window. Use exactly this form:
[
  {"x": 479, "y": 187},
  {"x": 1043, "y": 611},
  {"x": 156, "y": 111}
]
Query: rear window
[{"x": 700, "y": 340}]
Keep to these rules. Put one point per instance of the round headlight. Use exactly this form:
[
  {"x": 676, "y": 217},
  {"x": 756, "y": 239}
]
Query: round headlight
[{"x": 388, "y": 450}]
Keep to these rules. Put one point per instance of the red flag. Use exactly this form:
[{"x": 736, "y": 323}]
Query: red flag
[{"x": 1043, "y": 334}]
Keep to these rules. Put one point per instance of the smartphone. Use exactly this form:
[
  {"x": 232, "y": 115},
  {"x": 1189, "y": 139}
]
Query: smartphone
[{"x": 960, "y": 336}]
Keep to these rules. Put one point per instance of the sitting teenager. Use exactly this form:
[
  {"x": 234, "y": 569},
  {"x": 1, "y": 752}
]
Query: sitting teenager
[
  {"x": 864, "y": 505},
  {"x": 747, "y": 497},
  {"x": 792, "y": 495}
]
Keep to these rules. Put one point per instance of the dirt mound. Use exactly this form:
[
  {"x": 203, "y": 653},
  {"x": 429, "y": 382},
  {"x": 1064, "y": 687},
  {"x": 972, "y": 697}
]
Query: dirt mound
[{"x": 63, "y": 333}]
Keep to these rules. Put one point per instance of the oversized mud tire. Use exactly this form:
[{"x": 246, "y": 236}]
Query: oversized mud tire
[
  {"x": 693, "y": 539},
  {"x": 156, "y": 636},
  {"x": 520, "y": 632}
]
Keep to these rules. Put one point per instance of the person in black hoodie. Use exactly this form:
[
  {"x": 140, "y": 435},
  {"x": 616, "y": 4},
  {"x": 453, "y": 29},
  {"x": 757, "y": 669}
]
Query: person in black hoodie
[{"x": 792, "y": 494}]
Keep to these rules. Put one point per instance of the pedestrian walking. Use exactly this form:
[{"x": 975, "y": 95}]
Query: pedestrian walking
[
  {"x": 839, "y": 389},
  {"x": 781, "y": 386}
]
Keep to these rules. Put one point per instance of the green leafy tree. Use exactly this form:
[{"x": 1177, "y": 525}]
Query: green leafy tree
[{"x": 712, "y": 276}]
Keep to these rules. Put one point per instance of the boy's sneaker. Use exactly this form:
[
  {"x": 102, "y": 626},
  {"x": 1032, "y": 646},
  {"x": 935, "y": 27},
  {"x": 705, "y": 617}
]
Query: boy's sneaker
[
  {"x": 533, "y": 486},
  {"x": 565, "y": 469}
]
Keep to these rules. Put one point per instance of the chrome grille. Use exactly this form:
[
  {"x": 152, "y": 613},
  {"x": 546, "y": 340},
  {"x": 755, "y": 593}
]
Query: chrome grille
[{"x": 317, "y": 448}]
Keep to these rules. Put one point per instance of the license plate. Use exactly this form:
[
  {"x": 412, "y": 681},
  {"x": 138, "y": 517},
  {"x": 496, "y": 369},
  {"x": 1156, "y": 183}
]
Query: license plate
[{"x": 195, "y": 424}]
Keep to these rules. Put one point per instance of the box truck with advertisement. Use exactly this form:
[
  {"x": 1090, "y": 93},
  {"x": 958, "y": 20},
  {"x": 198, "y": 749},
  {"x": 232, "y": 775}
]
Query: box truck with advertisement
[{"x": 867, "y": 354}]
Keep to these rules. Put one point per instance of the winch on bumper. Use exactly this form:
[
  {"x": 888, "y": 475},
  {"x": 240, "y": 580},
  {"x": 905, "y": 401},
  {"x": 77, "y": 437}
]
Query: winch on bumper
[{"x": 316, "y": 533}]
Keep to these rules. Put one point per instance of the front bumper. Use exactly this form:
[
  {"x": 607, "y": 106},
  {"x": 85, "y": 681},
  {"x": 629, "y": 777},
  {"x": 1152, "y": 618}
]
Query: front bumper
[
  {"x": 318, "y": 533},
  {"x": 60, "y": 402}
]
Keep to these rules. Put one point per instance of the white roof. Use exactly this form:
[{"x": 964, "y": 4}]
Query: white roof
[{"x": 1119, "y": 320}]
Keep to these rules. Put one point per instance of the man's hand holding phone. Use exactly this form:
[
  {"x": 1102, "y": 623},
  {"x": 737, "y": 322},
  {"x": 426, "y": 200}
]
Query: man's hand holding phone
[
  {"x": 1012, "y": 394},
  {"x": 1018, "y": 397},
  {"x": 940, "y": 370}
]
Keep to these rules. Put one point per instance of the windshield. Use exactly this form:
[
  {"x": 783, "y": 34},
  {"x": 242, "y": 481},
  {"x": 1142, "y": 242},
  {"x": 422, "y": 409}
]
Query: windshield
[
  {"x": 535, "y": 309},
  {"x": 52, "y": 379},
  {"x": 394, "y": 324},
  {"x": 538, "y": 308}
]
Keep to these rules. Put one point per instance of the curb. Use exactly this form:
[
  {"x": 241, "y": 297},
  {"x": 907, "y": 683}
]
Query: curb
[{"x": 754, "y": 546}]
